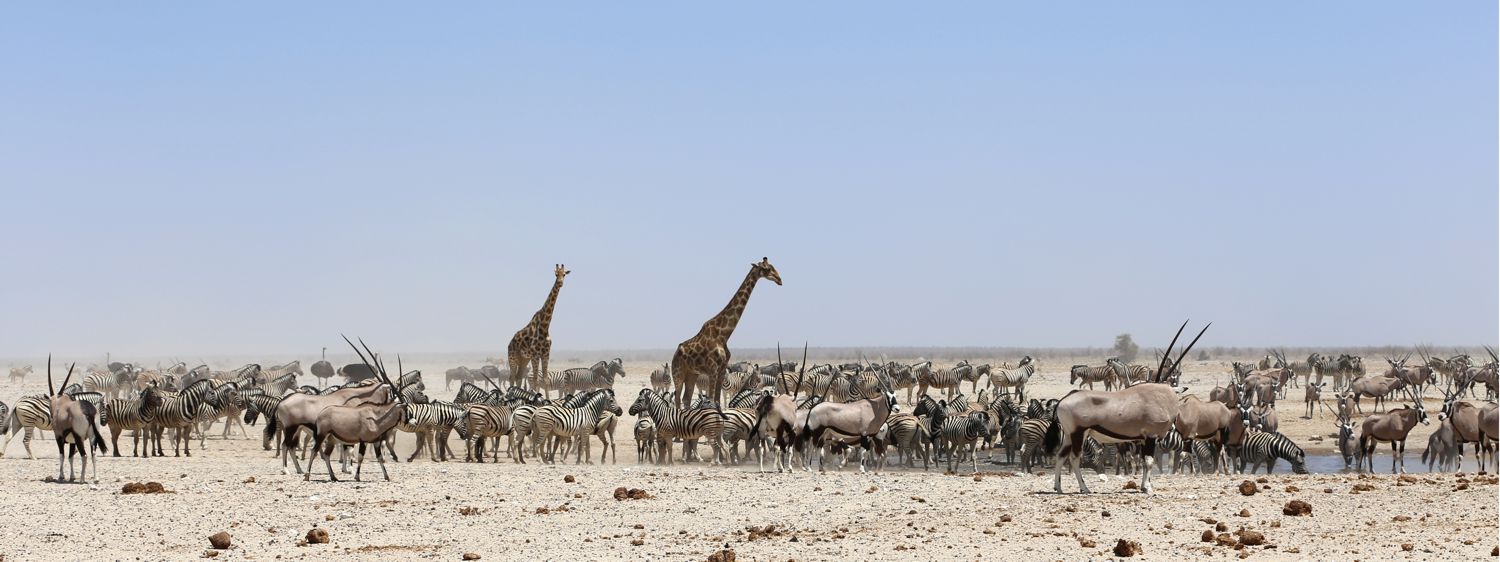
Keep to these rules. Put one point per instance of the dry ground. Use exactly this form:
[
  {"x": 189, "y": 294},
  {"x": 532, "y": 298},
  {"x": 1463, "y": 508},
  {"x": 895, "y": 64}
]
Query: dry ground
[{"x": 697, "y": 510}]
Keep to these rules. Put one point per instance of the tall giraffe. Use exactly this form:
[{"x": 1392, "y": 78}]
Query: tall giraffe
[
  {"x": 707, "y": 354},
  {"x": 531, "y": 347}
]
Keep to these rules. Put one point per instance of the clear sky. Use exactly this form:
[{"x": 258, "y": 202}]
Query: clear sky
[{"x": 244, "y": 177}]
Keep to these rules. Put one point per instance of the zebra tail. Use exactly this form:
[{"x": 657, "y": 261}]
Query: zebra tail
[{"x": 1053, "y": 437}]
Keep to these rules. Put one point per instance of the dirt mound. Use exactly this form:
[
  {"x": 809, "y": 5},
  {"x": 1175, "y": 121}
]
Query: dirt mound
[
  {"x": 623, "y": 493},
  {"x": 147, "y": 488}
]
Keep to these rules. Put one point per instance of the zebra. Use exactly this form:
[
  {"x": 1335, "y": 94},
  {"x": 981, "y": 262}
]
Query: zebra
[
  {"x": 179, "y": 412},
  {"x": 486, "y": 420},
  {"x": 256, "y": 406},
  {"x": 910, "y": 436},
  {"x": 103, "y": 383},
  {"x": 984, "y": 371},
  {"x": 31, "y": 412},
  {"x": 1032, "y": 431},
  {"x": 645, "y": 440},
  {"x": 281, "y": 384},
  {"x": 745, "y": 399},
  {"x": 738, "y": 423},
  {"x": 556, "y": 422},
  {"x": 1085, "y": 374},
  {"x": 549, "y": 381},
  {"x": 661, "y": 379},
  {"x": 431, "y": 422},
  {"x": 413, "y": 394},
  {"x": 671, "y": 423},
  {"x": 1266, "y": 447},
  {"x": 1127, "y": 375},
  {"x": 469, "y": 393},
  {"x": 224, "y": 401},
  {"x": 917, "y": 373},
  {"x": 600, "y": 375},
  {"x": 134, "y": 414},
  {"x": 945, "y": 379},
  {"x": 1017, "y": 377},
  {"x": 956, "y": 433}
]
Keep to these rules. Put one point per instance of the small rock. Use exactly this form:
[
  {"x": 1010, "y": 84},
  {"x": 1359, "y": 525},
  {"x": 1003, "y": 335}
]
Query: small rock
[
  {"x": 1125, "y": 549},
  {"x": 1244, "y": 512},
  {"x": 978, "y": 478},
  {"x": 317, "y": 536},
  {"x": 1401, "y": 518},
  {"x": 1247, "y": 488},
  {"x": 1104, "y": 513},
  {"x": 219, "y": 540},
  {"x": 471, "y": 556},
  {"x": 1406, "y": 546},
  {"x": 1208, "y": 536},
  {"x": 1221, "y": 527},
  {"x": 250, "y": 480},
  {"x": 1293, "y": 489},
  {"x": 637, "y": 542},
  {"x": 1223, "y": 539},
  {"x": 725, "y": 555},
  {"x": 328, "y": 517},
  {"x": 210, "y": 554},
  {"x": 1005, "y": 518},
  {"x": 1297, "y": 508},
  {"x": 1251, "y": 538},
  {"x": 1130, "y": 485},
  {"x": 1086, "y": 543},
  {"x": 569, "y": 479}
]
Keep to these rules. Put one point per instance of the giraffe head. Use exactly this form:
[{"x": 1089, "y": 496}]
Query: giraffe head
[
  {"x": 765, "y": 270},
  {"x": 561, "y": 272}
]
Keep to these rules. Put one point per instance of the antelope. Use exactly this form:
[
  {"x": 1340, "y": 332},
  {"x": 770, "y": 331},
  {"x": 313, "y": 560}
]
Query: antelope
[
  {"x": 365, "y": 424},
  {"x": 300, "y": 411},
  {"x": 1212, "y": 421},
  {"x": 1313, "y": 397},
  {"x": 73, "y": 423},
  {"x": 860, "y": 419},
  {"x": 1141, "y": 412},
  {"x": 1376, "y": 387},
  {"x": 1464, "y": 419},
  {"x": 1393, "y": 427}
]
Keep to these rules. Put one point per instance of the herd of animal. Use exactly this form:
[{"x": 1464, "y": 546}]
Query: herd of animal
[{"x": 786, "y": 413}]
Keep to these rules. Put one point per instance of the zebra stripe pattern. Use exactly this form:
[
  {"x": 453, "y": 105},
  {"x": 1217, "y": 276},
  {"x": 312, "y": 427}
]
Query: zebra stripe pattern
[
  {"x": 31, "y": 413},
  {"x": 1261, "y": 447},
  {"x": 557, "y": 422}
]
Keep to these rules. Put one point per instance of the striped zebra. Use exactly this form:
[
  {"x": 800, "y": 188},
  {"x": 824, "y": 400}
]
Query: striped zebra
[
  {"x": 672, "y": 423},
  {"x": 661, "y": 379},
  {"x": 103, "y": 383},
  {"x": 945, "y": 379},
  {"x": 487, "y": 420},
  {"x": 257, "y": 406},
  {"x": 179, "y": 412},
  {"x": 1127, "y": 375},
  {"x": 280, "y": 385},
  {"x": 600, "y": 375},
  {"x": 431, "y": 423},
  {"x": 413, "y": 394},
  {"x": 918, "y": 373},
  {"x": 556, "y": 423},
  {"x": 469, "y": 393},
  {"x": 738, "y": 423},
  {"x": 1085, "y": 374},
  {"x": 30, "y": 413},
  {"x": 956, "y": 433},
  {"x": 222, "y": 402},
  {"x": 1262, "y": 447},
  {"x": 547, "y": 382},
  {"x": 133, "y": 414},
  {"x": 1032, "y": 431},
  {"x": 745, "y": 399},
  {"x": 645, "y": 440},
  {"x": 1004, "y": 421},
  {"x": 1016, "y": 378},
  {"x": 976, "y": 374},
  {"x": 911, "y": 438}
]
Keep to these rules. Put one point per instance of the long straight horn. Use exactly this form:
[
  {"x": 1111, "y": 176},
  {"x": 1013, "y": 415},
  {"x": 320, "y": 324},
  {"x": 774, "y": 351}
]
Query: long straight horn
[
  {"x": 69, "y": 376},
  {"x": 801, "y": 370},
  {"x": 1195, "y": 342},
  {"x": 51, "y": 391},
  {"x": 397, "y": 391},
  {"x": 1163, "y": 365}
]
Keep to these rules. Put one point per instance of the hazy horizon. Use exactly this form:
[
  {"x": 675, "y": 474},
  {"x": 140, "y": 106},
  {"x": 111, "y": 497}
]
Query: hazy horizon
[{"x": 257, "y": 179}]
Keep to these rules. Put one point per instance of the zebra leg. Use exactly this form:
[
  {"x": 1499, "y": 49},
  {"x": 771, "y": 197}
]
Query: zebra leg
[
  {"x": 26, "y": 441},
  {"x": 114, "y": 433}
]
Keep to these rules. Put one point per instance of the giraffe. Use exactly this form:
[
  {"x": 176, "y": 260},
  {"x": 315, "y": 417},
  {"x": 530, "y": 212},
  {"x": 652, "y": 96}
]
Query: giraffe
[
  {"x": 707, "y": 354},
  {"x": 532, "y": 345}
]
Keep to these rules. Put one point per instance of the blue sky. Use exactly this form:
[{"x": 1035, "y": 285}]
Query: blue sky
[{"x": 185, "y": 178}]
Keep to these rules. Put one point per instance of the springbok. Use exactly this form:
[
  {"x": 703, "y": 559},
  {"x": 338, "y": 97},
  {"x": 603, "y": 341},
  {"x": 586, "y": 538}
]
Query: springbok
[
  {"x": 1141, "y": 412},
  {"x": 364, "y": 424},
  {"x": 73, "y": 423},
  {"x": 1392, "y": 427}
]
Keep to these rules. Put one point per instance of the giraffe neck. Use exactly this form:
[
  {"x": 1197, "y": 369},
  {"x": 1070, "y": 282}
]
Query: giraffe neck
[
  {"x": 543, "y": 318},
  {"x": 722, "y": 325}
]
